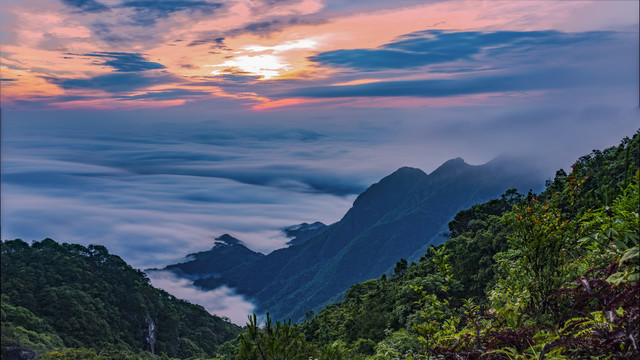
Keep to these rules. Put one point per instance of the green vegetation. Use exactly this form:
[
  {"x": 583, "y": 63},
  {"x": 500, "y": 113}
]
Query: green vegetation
[
  {"x": 552, "y": 275},
  {"x": 67, "y": 295}
]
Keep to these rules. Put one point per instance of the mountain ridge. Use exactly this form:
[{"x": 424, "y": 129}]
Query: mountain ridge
[
  {"x": 302, "y": 232},
  {"x": 397, "y": 217}
]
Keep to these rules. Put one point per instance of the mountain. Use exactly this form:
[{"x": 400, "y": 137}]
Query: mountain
[
  {"x": 398, "y": 217},
  {"x": 227, "y": 252},
  {"x": 555, "y": 273},
  {"x": 599, "y": 196},
  {"x": 303, "y": 232},
  {"x": 67, "y": 295}
]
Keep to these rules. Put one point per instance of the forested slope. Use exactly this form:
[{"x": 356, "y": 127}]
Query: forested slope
[
  {"x": 551, "y": 275},
  {"x": 67, "y": 295}
]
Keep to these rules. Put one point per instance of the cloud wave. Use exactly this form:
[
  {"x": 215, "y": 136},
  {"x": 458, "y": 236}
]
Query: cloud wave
[{"x": 222, "y": 301}]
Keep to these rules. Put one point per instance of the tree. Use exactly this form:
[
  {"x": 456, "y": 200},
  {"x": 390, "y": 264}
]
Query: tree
[{"x": 401, "y": 268}]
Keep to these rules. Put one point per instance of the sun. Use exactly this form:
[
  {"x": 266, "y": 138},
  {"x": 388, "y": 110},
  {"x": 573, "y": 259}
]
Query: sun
[
  {"x": 265, "y": 66},
  {"x": 266, "y": 62}
]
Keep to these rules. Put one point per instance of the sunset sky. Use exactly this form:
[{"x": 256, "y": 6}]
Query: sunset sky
[{"x": 153, "y": 126}]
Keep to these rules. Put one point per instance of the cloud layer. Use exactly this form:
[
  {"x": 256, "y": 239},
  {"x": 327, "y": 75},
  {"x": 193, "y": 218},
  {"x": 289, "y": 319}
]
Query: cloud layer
[
  {"x": 436, "y": 46},
  {"x": 222, "y": 301},
  {"x": 170, "y": 193},
  {"x": 126, "y": 62}
]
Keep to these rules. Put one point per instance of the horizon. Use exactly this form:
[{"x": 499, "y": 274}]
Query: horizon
[{"x": 152, "y": 128}]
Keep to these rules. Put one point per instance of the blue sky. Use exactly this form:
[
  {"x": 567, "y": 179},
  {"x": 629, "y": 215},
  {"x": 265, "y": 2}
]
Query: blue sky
[{"x": 153, "y": 127}]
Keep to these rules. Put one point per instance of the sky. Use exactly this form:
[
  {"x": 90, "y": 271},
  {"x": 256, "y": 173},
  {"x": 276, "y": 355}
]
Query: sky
[{"x": 154, "y": 126}]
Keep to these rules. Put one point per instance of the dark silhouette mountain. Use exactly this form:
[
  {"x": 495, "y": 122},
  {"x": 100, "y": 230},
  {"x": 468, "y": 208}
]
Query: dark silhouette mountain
[
  {"x": 398, "y": 217},
  {"x": 227, "y": 252},
  {"x": 303, "y": 232}
]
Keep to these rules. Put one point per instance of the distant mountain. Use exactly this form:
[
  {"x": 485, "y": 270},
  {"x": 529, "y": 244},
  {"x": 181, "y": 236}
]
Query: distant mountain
[
  {"x": 67, "y": 295},
  {"x": 226, "y": 253},
  {"x": 398, "y": 217},
  {"x": 303, "y": 232}
]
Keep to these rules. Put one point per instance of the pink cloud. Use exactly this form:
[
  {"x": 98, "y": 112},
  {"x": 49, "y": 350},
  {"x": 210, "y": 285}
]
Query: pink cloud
[{"x": 43, "y": 33}]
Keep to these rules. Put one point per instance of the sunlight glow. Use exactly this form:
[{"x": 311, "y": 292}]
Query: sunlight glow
[{"x": 267, "y": 66}]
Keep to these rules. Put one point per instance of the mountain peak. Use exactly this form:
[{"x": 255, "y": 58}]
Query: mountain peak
[
  {"x": 227, "y": 239},
  {"x": 451, "y": 167},
  {"x": 226, "y": 253},
  {"x": 302, "y": 232},
  {"x": 402, "y": 177},
  {"x": 455, "y": 162},
  {"x": 292, "y": 230},
  {"x": 406, "y": 171},
  {"x": 386, "y": 191}
]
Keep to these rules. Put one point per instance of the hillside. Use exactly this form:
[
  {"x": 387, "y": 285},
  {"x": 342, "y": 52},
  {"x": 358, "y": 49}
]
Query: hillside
[
  {"x": 67, "y": 295},
  {"x": 398, "y": 217},
  {"x": 550, "y": 275}
]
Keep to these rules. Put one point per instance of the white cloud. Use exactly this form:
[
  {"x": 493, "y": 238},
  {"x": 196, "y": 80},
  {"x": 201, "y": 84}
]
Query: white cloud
[
  {"x": 267, "y": 66},
  {"x": 289, "y": 45},
  {"x": 222, "y": 301}
]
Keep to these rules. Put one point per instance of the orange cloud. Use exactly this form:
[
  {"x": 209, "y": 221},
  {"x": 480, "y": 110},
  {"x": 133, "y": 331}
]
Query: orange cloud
[{"x": 271, "y": 104}]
